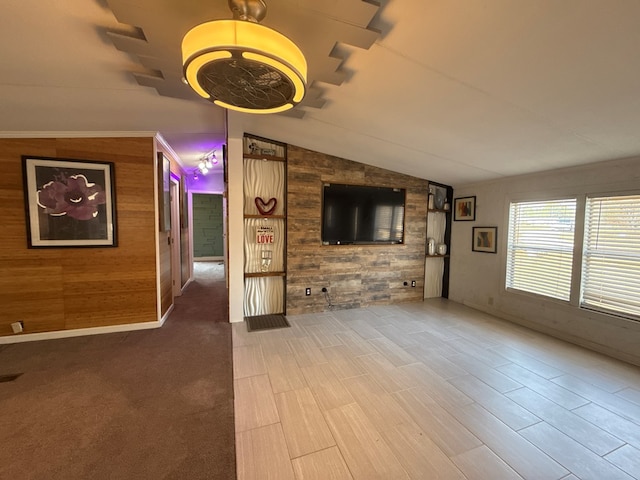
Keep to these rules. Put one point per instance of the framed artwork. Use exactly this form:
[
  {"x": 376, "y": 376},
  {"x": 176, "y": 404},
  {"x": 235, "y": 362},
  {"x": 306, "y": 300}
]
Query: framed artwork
[
  {"x": 464, "y": 209},
  {"x": 184, "y": 203},
  {"x": 164, "y": 192},
  {"x": 69, "y": 203},
  {"x": 485, "y": 239},
  {"x": 224, "y": 164}
]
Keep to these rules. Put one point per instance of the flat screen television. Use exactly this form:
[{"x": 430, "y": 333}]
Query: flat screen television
[{"x": 360, "y": 214}]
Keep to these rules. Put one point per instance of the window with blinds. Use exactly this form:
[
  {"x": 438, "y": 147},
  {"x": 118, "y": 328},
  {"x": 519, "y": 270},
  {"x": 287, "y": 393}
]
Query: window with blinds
[
  {"x": 611, "y": 258},
  {"x": 540, "y": 247}
]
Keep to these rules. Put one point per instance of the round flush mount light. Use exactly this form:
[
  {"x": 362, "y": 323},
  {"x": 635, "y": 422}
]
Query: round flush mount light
[{"x": 241, "y": 65}]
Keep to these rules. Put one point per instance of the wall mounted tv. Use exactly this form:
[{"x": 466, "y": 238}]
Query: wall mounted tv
[{"x": 359, "y": 214}]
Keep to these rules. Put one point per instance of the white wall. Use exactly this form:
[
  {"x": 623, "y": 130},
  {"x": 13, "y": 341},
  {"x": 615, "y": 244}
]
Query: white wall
[
  {"x": 235, "y": 210},
  {"x": 477, "y": 279},
  {"x": 212, "y": 182}
]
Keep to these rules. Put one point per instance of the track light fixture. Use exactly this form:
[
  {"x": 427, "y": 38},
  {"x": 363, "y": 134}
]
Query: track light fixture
[{"x": 206, "y": 163}]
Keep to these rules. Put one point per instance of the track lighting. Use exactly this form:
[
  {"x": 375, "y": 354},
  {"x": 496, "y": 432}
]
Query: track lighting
[{"x": 206, "y": 163}]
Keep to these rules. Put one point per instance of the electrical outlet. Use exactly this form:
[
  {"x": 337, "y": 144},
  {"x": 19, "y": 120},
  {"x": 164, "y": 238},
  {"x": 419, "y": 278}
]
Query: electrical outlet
[
  {"x": 307, "y": 291},
  {"x": 406, "y": 284},
  {"x": 413, "y": 283},
  {"x": 324, "y": 289}
]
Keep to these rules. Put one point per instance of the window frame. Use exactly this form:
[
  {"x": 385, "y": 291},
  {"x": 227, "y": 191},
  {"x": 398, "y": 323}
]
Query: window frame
[
  {"x": 580, "y": 286},
  {"x": 578, "y": 246},
  {"x": 542, "y": 198}
]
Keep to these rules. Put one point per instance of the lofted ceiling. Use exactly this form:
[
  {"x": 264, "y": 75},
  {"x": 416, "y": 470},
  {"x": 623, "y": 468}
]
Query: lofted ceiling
[{"x": 455, "y": 91}]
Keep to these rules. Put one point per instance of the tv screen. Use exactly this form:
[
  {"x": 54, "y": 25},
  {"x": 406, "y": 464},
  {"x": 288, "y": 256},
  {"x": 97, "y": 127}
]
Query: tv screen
[{"x": 357, "y": 214}]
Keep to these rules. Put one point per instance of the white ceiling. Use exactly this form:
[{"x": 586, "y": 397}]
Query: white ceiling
[{"x": 452, "y": 90}]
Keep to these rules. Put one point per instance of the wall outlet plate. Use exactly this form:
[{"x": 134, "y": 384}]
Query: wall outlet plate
[
  {"x": 307, "y": 291},
  {"x": 413, "y": 283}
]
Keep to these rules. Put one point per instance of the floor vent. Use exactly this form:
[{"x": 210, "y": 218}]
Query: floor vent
[
  {"x": 9, "y": 378},
  {"x": 266, "y": 322}
]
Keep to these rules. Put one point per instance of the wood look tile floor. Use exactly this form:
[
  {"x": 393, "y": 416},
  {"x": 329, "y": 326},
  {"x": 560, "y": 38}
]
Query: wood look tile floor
[{"x": 430, "y": 390}]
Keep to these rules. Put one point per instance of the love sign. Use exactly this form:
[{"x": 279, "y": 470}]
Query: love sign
[{"x": 264, "y": 235}]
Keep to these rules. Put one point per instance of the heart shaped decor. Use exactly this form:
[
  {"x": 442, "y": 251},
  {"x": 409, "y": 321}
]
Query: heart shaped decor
[{"x": 266, "y": 208}]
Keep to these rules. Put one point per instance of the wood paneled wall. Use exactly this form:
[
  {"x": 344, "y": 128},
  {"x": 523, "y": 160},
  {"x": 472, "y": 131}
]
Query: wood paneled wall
[
  {"x": 356, "y": 276},
  {"x": 67, "y": 288}
]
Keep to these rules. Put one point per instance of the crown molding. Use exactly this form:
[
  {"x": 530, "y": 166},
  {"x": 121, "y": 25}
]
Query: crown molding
[
  {"x": 158, "y": 136},
  {"x": 116, "y": 134},
  {"x": 113, "y": 134}
]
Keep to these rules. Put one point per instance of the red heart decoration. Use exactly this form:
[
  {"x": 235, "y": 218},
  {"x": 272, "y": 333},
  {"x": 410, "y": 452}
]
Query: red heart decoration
[{"x": 266, "y": 208}]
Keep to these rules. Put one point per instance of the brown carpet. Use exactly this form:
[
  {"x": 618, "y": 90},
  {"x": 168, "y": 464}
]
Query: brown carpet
[{"x": 154, "y": 404}]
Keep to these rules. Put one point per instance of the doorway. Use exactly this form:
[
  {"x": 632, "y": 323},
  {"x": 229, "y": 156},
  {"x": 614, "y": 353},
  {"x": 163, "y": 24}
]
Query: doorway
[
  {"x": 207, "y": 247},
  {"x": 207, "y": 227}
]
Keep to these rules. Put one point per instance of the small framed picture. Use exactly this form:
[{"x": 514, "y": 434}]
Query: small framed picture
[
  {"x": 69, "y": 203},
  {"x": 184, "y": 202},
  {"x": 164, "y": 192},
  {"x": 485, "y": 239},
  {"x": 464, "y": 209}
]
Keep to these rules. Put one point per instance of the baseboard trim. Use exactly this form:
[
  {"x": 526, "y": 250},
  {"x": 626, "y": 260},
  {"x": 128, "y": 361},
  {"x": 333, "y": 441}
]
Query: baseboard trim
[
  {"x": 207, "y": 259},
  {"x": 186, "y": 285},
  {"x": 79, "y": 332},
  {"x": 582, "y": 342}
]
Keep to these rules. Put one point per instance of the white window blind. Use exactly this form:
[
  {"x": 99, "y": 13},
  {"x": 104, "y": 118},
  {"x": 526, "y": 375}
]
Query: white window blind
[
  {"x": 611, "y": 259},
  {"x": 540, "y": 247}
]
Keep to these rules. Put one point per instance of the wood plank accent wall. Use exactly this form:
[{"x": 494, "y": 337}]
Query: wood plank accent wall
[
  {"x": 356, "y": 276},
  {"x": 67, "y": 288}
]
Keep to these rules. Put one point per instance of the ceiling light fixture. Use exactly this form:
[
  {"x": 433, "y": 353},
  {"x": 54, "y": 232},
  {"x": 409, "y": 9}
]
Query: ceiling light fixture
[
  {"x": 206, "y": 163},
  {"x": 241, "y": 65}
]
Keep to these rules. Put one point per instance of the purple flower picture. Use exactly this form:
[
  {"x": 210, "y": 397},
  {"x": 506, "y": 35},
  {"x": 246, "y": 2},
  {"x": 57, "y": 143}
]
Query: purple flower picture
[
  {"x": 74, "y": 196},
  {"x": 69, "y": 202}
]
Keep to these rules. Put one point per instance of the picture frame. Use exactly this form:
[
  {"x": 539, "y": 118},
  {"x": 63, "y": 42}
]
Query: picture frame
[
  {"x": 164, "y": 192},
  {"x": 184, "y": 203},
  {"x": 224, "y": 165},
  {"x": 485, "y": 239},
  {"x": 464, "y": 209},
  {"x": 69, "y": 202}
]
